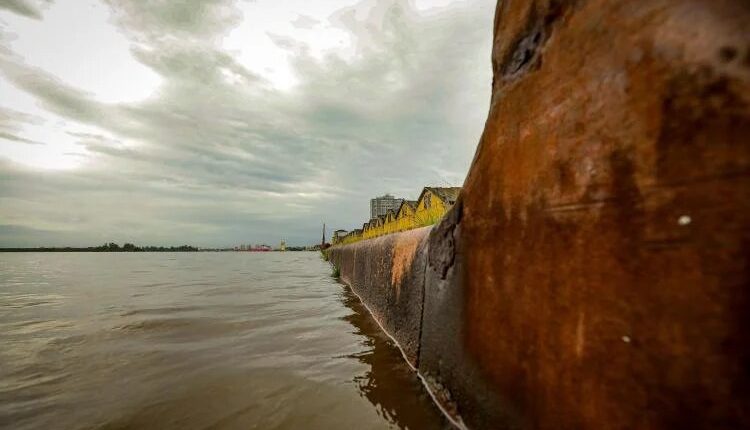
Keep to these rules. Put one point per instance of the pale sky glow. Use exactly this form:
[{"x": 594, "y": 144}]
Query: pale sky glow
[
  {"x": 219, "y": 122},
  {"x": 80, "y": 47},
  {"x": 252, "y": 40}
]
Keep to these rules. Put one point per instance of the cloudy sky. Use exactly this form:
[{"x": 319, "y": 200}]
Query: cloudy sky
[{"x": 219, "y": 122}]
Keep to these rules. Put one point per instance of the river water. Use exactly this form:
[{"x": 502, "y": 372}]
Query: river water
[{"x": 195, "y": 341}]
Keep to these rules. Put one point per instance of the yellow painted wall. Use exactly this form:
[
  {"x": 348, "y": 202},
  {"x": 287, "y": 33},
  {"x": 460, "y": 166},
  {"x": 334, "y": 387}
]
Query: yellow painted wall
[{"x": 429, "y": 210}]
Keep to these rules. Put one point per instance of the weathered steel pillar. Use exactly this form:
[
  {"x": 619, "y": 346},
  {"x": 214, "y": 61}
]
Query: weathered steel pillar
[{"x": 602, "y": 253}]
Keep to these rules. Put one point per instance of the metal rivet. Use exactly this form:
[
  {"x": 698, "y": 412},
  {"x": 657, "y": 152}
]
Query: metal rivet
[
  {"x": 626, "y": 339},
  {"x": 684, "y": 220}
]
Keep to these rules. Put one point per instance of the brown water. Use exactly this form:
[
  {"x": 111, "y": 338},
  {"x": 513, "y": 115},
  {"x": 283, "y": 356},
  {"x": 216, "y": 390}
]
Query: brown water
[{"x": 195, "y": 341}]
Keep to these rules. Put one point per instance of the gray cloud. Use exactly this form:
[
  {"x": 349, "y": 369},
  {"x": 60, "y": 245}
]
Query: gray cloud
[
  {"x": 11, "y": 122},
  {"x": 218, "y": 156},
  {"x": 165, "y": 19},
  {"x": 305, "y": 21},
  {"x": 54, "y": 95},
  {"x": 15, "y": 138},
  {"x": 29, "y": 9}
]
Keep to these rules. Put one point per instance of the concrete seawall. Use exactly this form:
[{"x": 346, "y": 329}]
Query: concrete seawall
[
  {"x": 595, "y": 272},
  {"x": 409, "y": 282},
  {"x": 387, "y": 273}
]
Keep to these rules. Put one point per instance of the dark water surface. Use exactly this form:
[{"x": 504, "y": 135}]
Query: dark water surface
[{"x": 195, "y": 341}]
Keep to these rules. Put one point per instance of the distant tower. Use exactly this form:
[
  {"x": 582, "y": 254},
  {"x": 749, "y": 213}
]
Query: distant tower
[
  {"x": 379, "y": 206},
  {"x": 323, "y": 243}
]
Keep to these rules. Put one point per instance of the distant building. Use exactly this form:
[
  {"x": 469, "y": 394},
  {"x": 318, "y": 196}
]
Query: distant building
[
  {"x": 337, "y": 236},
  {"x": 445, "y": 196},
  {"x": 379, "y": 206},
  {"x": 428, "y": 209},
  {"x": 282, "y": 246}
]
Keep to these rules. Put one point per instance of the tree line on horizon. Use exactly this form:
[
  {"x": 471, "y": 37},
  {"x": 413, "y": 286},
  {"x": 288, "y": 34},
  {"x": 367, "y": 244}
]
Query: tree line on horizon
[{"x": 107, "y": 247}]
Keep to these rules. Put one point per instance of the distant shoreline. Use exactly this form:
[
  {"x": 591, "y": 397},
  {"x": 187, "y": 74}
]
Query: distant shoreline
[
  {"x": 71, "y": 249},
  {"x": 175, "y": 249}
]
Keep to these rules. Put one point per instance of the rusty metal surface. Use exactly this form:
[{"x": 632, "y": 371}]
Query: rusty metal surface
[
  {"x": 449, "y": 370},
  {"x": 606, "y": 217}
]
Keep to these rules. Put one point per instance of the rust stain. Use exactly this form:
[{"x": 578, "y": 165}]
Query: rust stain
[
  {"x": 580, "y": 334},
  {"x": 404, "y": 250},
  {"x": 606, "y": 218}
]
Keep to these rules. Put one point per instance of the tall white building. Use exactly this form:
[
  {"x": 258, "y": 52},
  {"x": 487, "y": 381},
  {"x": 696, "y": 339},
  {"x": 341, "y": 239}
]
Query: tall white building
[{"x": 379, "y": 206}]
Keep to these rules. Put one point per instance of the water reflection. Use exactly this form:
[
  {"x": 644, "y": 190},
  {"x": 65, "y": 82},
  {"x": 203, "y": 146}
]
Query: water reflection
[{"x": 389, "y": 384}]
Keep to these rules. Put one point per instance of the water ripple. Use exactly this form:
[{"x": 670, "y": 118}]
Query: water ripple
[{"x": 194, "y": 340}]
